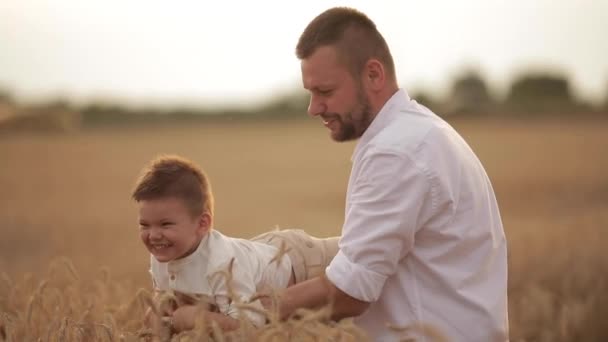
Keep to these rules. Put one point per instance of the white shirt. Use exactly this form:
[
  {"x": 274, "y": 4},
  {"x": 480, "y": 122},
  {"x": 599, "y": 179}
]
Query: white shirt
[
  {"x": 422, "y": 239},
  {"x": 198, "y": 273}
]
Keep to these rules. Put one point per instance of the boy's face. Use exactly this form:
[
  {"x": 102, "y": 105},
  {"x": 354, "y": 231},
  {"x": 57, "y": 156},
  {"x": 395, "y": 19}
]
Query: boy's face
[{"x": 168, "y": 229}]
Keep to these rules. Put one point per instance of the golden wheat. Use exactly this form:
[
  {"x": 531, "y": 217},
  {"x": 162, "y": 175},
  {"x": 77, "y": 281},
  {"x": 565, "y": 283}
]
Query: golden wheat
[{"x": 69, "y": 195}]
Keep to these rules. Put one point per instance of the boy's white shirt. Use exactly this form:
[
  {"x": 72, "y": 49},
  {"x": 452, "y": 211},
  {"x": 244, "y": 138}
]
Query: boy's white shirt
[{"x": 200, "y": 273}]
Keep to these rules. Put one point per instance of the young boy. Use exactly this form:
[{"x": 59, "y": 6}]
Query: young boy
[{"x": 189, "y": 257}]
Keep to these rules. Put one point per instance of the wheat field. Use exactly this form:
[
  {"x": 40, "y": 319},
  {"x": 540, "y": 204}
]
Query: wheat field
[{"x": 72, "y": 266}]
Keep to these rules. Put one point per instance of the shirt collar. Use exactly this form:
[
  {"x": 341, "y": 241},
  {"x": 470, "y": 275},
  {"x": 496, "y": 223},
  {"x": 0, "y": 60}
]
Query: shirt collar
[
  {"x": 399, "y": 99},
  {"x": 175, "y": 265}
]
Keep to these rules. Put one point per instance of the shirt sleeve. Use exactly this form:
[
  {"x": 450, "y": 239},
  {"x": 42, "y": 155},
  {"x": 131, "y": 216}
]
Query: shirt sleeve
[
  {"x": 241, "y": 286},
  {"x": 383, "y": 207}
]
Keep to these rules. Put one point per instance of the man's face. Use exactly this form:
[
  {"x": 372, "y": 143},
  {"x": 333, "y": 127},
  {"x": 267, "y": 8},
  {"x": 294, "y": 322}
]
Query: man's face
[
  {"x": 335, "y": 95},
  {"x": 167, "y": 228}
]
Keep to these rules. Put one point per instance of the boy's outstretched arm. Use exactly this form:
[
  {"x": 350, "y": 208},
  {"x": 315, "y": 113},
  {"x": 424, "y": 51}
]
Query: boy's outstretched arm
[
  {"x": 153, "y": 318},
  {"x": 185, "y": 317}
]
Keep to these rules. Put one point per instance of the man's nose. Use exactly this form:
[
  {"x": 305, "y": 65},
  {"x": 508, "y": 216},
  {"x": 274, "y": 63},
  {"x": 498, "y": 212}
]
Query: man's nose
[{"x": 316, "y": 107}]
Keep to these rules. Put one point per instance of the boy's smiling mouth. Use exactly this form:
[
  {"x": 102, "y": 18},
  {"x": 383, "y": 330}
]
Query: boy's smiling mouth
[{"x": 160, "y": 246}]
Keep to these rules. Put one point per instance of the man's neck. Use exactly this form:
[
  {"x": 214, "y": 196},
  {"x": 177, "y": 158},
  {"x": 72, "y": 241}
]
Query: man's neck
[{"x": 378, "y": 101}]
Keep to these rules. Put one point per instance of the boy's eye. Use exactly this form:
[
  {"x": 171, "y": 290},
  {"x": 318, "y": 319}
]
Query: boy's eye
[
  {"x": 167, "y": 224},
  {"x": 143, "y": 226}
]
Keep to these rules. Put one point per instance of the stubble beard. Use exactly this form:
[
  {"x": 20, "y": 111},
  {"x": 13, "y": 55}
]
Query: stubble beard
[{"x": 350, "y": 128}]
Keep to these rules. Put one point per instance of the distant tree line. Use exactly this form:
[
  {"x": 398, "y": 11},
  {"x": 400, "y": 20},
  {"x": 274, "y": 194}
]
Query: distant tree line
[{"x": 530, "y": 95}]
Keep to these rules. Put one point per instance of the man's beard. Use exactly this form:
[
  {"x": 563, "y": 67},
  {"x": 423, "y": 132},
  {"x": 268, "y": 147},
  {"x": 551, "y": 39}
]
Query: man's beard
[{"x": 350, "y": 128}]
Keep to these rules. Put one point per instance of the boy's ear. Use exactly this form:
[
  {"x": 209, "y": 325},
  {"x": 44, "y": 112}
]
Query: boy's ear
[{"x": 204, "y": 222}]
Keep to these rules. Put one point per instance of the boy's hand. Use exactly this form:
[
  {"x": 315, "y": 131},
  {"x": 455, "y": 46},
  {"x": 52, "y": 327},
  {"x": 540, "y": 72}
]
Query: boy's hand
[
  {"x": 185, "y": 316},
  {"x": 156, "y": 324},
  {"x": 162, "y": 307},
  {"x": 267, "y": 302}
]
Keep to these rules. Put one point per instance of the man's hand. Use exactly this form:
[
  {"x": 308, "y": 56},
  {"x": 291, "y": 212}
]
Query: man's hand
[{"x": 316, "y": 293}]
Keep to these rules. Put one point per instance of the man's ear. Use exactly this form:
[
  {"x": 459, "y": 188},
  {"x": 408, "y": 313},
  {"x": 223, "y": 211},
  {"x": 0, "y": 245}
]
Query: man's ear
[{"x": 374, "y": 75}]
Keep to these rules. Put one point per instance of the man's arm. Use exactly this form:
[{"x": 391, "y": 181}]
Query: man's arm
[
  {"x": 379, "y": 228},
  {"x": 318, "y": 292}
]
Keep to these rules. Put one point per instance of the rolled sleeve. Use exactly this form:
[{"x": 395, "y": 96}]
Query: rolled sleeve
[
  {"x": 342, "y": 272},
  {"x": 386, "y": 194}
]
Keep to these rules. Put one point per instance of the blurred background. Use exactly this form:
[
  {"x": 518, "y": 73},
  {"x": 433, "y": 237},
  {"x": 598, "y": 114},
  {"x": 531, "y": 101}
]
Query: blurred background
[{"x": 90, "y": 91}]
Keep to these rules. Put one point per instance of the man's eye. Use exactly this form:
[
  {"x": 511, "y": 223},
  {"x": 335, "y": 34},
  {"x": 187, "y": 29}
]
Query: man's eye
[{"x": 324, "y": 92}]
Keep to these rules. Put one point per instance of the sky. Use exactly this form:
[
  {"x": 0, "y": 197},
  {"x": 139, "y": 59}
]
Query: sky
[{"x": 241, "y": 53}]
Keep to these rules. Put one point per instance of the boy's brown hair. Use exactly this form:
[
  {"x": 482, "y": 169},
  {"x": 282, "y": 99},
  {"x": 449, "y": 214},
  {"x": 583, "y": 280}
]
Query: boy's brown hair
[
  {"x": 352, "y": 33},
  {"x": 174, "y": 176}
]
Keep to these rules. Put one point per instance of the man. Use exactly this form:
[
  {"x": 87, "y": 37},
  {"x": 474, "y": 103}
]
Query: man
[{"x": 422, "y": 241}]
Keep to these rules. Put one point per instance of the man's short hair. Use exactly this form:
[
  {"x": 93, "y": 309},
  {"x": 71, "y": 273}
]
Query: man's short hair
[{"x": 354, "y": 36}]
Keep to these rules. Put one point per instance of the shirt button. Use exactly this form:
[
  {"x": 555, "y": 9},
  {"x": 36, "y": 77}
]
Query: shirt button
[
  {"x": 173, "y": 277},
  {"x": 309, "y": 244}
]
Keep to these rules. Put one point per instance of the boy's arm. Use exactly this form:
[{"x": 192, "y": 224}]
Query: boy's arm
[
  {"x": 153, "y": 318},
  {"x": 184, "y": 318},
  {"x": 233, "y": 284}
]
